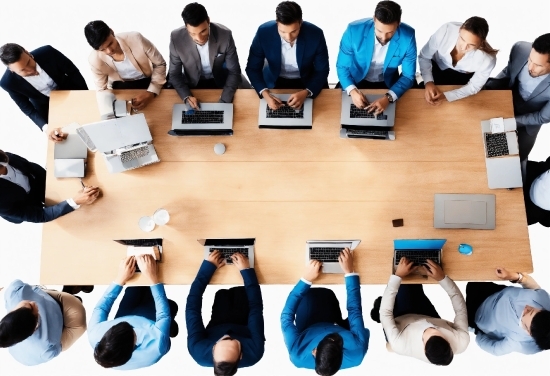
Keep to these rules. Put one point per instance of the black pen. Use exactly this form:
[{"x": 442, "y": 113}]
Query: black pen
[{"x": 82, "y": 183}]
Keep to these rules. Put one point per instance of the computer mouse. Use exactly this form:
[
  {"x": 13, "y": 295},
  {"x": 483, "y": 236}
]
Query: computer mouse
[
  {"x": 219, "y": 148},
  {"x": 465, "y": 249}
]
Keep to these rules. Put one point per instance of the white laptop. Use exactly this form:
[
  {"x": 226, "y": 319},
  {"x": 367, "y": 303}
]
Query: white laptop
[
  {"x": 212, "y": 119},
  {"x": 228, "y": 247},
  {"x": 286, "y": 117},
  {"x": 327, "y": 251},
  {"x": 359, "y": 123}
]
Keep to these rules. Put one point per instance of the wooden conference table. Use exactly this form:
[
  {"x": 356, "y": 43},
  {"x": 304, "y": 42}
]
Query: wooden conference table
[{"x": 284, "y": 187}]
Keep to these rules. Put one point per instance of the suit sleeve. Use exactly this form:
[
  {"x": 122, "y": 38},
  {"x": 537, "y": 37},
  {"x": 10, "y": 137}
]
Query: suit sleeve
[
  {"x": 28, "y": 212},
  {"x": 321, "y": 67},
  {"x": 536, "y": 118},
  {"x": 177, "y": 79},
  {"x": 234, "y": 78},
  {"x": 103, "y": 307},
  {"x": 101, "y": 79},
  {"x": 163, "y": 318},
  {"x": 290, "y": 333},
  {"x": 255, "y": 315},
  {"x": 158, "y": 78},
  {"x": 355, "y": 312},
  {"x": 346, "y": 58},
  {"x": 529, "y": 282},
  {"x": 25, "y": 105},
  {"x": 255, "y": 64},
  {"x": 476, "y": 83},
  {"x": 386, "y": 313},
  {"x": 461, "y": 314},
  {"x": 408, "y": 70},
  {"x": 428, "y": 51},
  {"x": 496, "y": 346},
  {"x": 75, "y": 79}
]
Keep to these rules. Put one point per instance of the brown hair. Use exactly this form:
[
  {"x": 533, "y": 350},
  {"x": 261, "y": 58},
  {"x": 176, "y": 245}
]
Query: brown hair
[{"x": 480, "y": 28}]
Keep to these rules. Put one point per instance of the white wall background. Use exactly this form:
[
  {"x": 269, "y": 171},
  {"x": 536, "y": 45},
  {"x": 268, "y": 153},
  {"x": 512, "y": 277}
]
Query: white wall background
[{"x": 34, "y": 23}]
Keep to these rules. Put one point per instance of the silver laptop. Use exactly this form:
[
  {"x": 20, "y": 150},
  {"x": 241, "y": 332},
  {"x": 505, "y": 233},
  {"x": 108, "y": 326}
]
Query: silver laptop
[
  {"x": 418, "y": 251},
  {"x": 359, "y": 123},
  {"x": 213, "y": 119},
  {"x": 228, "y": 247},
  {"x": 286, "y": 117},
  {"x": 135, "y": 247},
  {"x": 475, "y": 211},
  {"x": 327, "y": 251},
  {"x": 125, "y": 143},
  {"x": 70, "y": 155}
]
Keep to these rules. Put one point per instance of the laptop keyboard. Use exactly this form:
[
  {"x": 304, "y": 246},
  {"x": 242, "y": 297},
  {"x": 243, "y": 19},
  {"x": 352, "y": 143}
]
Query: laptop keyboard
[
  {"x": 127, "y": 156},
  {"x": 142, "y": 242},
  {"x": 202, "y": 117},
  {"x": 366, "y": 133},
  {"x": 284, "y": 112},
  {"x": 358, "y": 113},
  {"x": 497, "y": 145},
  {"x": 325, "y": 254},
  {"x": 417, "y": 256},
  {"x": 228, "y": 252},
  {"x": 84, "y": 136}
]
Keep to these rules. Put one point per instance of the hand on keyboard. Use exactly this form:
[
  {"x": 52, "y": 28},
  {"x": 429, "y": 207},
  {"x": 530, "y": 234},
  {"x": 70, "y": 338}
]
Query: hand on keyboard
[
  {"x": 434, "y": 270},
  {"x": 272, "y": 102},
  {"x": 296, "y": 100},
  {"x": 216, "y": 258},
  {"x": 346, "y": 260},
  {"x": 193, "y": 102},
  {"x": 404, "y": 268},
  {"x": 313, "y": 269},
  {"x": 240, "y": 261},
  {"x": 359, "y": 98},
  {"x": 378, "y": 106}
]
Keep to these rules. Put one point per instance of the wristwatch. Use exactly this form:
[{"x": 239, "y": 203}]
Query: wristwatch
[
  {"x": 520, "y": 278},
  {"x": 390, "y": 98}
]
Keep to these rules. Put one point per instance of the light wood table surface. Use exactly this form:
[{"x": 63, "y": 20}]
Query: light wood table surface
[{"x": 284, "y": 187}]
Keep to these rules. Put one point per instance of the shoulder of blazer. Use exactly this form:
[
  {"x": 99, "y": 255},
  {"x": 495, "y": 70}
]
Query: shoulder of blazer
[
  {"x": 406, "y": 30},
  {"x": 521, "y": 50},
  {"x": 362, "y": 24},
  {"x": 18, "y": 162},
  {"x": 129, "y": 37},
  {"x": 219, "y": 32},
  {"x": 311, "y": 29},
  {"x": 44, "y": 52},
  {"x": 6, "y": 81}
]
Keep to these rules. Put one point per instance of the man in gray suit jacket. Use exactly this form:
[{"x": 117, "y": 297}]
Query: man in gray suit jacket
[
  {"x": 528, "y": 75},
  {"x": 203, "y": 56}
]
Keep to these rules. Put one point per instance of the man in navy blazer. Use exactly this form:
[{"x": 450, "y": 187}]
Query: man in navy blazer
[
  {"x": 288, "y": 53},
  {"x": 234, "y": 337},
  {"x": 314, "y": 332},
  {"x": 371, "y": 50},
  {"x": 22, "y": 191},
  {"x": 30, "y": 77}
]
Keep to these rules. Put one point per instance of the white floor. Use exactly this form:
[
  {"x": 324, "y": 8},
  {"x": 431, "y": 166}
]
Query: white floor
[{"x": 60, "y": 23}]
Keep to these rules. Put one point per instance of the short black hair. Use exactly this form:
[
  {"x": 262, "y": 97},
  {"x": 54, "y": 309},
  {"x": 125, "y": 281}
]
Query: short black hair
[
  {"x": 194, "y": 14},
  {"x": 226, "y": 368},
  {"x": 4, "y": 157},
  {"x": 96, "y": 33},
  {"x": 17, "y": 326},
  {"x": 10, "y": 53},
  {"x": 388, "y": 12},
  {"x": 438, "y": 351},
  {"x": 542, "y": 45},
  {"x": 540, "y": 329},
  {"x": 116, "y": 346},
  {"x": 288, "y": 12},
  {"x": 329, "y": 355}
]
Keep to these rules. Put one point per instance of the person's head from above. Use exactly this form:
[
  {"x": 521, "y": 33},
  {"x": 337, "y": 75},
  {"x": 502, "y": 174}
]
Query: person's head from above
[
  {"x": 539, "y": 58},
  {"x": 473, "y": 36},
  {"x": 226, "y": 354},
  {"x": 536, "y": 322},
  {"x": 19, "y": 324},
  {"x": 387, "y": 17},
  {"x": 329, "y": 354},
  {"x": 116, "y": 346},
  {"x": 4, "y": 161},
  {"x": 288, "y": 15},
  {"x": 18, "y": 60},
  {"x": 196, "y": 22},
  {"x": 437, "y": 349},
  {"x": 102, "y": 38}
]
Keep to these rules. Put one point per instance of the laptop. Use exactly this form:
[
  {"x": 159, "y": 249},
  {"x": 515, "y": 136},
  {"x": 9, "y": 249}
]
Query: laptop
[
  {"x": 228, "y": 247},
  {"x": 125, "y": 143},
  {"x": 327, "y": 251},
  {"x": 213, "y": 119},
  {"x": 109, "y": 107},
  {"x": 286, "y": 117},
  {"x": 474, "y": 211},
  {"x": 136, "y": 247},
  {"x": 359, "y": 123},
  {"x": 418, "y": 251},
  {"x": 70, "y": 155}
]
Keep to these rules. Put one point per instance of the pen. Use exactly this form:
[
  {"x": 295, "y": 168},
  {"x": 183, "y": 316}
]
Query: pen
[{"x": 82, "y": 183}]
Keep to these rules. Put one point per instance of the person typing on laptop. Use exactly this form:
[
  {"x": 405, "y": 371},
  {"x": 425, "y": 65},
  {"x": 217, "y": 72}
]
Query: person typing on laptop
[
  {"x": 234, "y": 337},
  {"x": 314, "y": 332},
  {"x": 412, "y": 325}
]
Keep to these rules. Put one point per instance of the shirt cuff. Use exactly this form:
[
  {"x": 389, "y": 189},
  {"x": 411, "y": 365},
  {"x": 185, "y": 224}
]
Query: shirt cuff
[
  {"x": 261, "y": 91},
  {"x": 73, "y": 204},
  {"x": 350, "y": 88},
  {"x": 45, "y": 129},
  {"x": 310, "y": 93},
  {"x": 392, "y": 95},
  {"x": 306, "y": 281},
  {"x": 350, "y": 274}
]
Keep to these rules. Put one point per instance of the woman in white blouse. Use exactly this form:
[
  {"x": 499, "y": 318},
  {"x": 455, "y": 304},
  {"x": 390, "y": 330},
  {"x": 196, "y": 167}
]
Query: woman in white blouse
[{"x": 457, "y": 54}]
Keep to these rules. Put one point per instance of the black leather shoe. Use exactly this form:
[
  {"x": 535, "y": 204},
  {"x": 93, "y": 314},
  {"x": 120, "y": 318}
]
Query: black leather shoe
[
  {"x": 87, "y": 289},
  {"x": 173, "y": 308},
  {"x": 174, "y": 329},
  {"x": 375, "y": 311}
]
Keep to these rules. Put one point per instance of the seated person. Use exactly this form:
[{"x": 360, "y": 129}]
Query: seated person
[
  {"x": 40, "y": 324},
  {"x": 536, "y": 192},
  {"x": 469, "y": 61},
  {"x": 296, "y": 55},
  {"x": 234, "y": 337},
  {"x": 314, "y": 332},
  {"x": 411, "y": 324},
  {"x": 23, "y": 190},
  {"x": 31, "y": 76},
  {"x": 493, "y": 312},
  {"x": 203, "y": 56},
  {"x": 140, "y": 333},
  {"x": 371, "y": 51}
]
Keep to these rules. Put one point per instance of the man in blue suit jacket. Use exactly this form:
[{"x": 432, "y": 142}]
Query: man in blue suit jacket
[
  {"x": 30, "y": 77},
  {"x": 288, "y": 53},
  {"x": 234, "y": 337},
  {"x": 22, "y": 191},
  {"x": 371, "y": 50},
  {"x": 315, "y": 334}
]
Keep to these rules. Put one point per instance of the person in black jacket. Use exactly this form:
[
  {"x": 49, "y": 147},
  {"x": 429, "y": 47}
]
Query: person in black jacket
[{"x": 536, "y": 192}]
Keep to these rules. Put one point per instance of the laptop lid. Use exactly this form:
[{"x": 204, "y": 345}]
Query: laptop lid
[
  {"x": 211, "y": 116},
  {"x": 351, "y": 115},
  {"x": 330, "y": 267},
  {"x": 286, "y": 117},
  {"x": 475, "y": 211},
  {"x": 135, "y": 247},
  {"x": 434, "y": 244}
]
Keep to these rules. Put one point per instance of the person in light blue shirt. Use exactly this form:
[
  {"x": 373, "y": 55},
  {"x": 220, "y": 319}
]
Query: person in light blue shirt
[
  {"x": 140, "y": 333},
  {"x": 314, "y": 332}
]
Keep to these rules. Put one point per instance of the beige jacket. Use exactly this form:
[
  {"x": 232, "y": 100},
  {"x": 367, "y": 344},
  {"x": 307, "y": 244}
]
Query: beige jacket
[{"x": 140, "y": 51}]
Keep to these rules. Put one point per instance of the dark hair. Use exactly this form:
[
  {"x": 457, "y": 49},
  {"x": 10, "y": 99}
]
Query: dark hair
[
  {"x": 194, "y": 14},
  {"x": 226, "y": 368},
  {"x": 438, "y": 351},
  {"x": 116, "y": 346},
  {"x": 4, "y": 157},
  {"x": 329, "y": 355},
  {"x": 542, "y": 45},
  {"x": 480, "y": 28},
  {"x": 96, "y": 33},
  {"x": 387, "y": 12},
  {"x": 288, "y": 12},
  {"x": 540, "y": 328},
  {"x": 17, "y": 326},
  {"x": 10, "y": 53}
]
